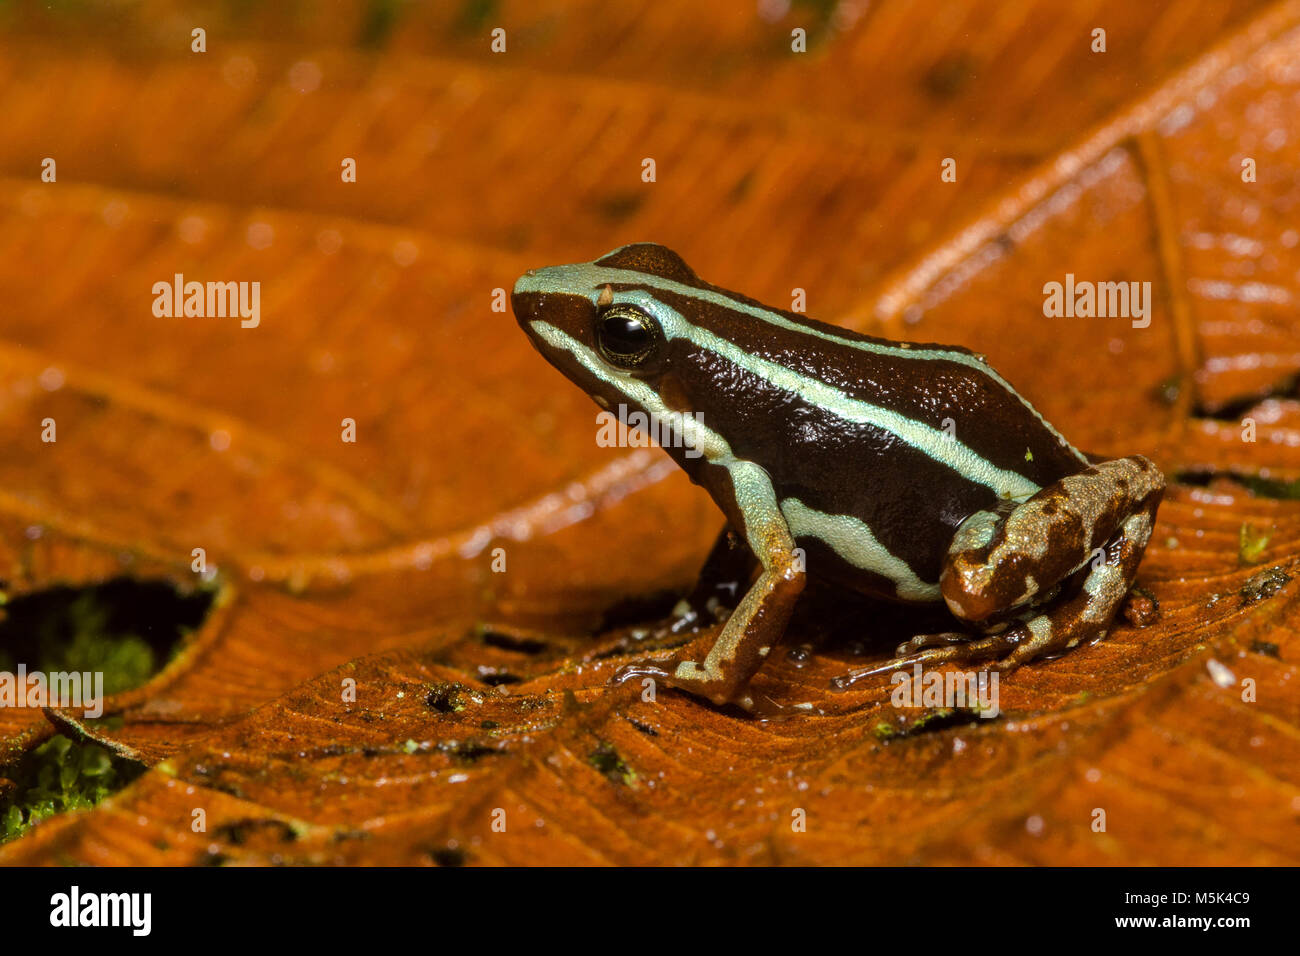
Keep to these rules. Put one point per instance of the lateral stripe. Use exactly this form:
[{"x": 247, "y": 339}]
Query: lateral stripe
[{"x": 853, "y": 541}]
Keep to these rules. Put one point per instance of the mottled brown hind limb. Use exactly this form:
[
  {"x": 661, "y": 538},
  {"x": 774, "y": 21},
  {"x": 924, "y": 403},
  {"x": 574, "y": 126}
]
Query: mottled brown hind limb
[{"x": 1000, "y": 562}]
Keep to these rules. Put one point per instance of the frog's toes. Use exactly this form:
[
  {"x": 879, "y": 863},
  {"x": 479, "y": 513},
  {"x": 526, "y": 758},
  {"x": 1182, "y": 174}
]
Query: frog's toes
[
  {"x": 638, "y": 669},
  {"x": 941, "y": 649},
  {"x": 922, "y": 641}
]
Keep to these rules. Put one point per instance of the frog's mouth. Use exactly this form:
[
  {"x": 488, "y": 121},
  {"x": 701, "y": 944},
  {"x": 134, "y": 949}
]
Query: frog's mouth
[{"x": 559, "y": 326}]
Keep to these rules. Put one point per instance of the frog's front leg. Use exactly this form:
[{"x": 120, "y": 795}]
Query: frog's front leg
[
  {"x": 1003, "y": 567},
  {"x": 760, "y": 618}
]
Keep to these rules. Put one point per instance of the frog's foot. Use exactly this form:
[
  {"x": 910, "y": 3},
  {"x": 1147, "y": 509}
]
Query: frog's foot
[
  {"x": 906, "y": 655},
  {"x": 637, "y": 670},
  {"x": 922, "y": 641},
  {"x": 1084, "y": 618},
  {"x": 662, "y": 670},
  {"x": 684, "y": 675},
  {"x": 934, "y": 649}
]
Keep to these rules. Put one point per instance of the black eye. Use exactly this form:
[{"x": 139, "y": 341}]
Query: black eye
[{"x": 626, "y": 336}]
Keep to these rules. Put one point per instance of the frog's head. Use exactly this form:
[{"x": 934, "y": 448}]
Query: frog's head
[
  {"x": 615, "y": 327},
  {"x": 607, "y": 307}
]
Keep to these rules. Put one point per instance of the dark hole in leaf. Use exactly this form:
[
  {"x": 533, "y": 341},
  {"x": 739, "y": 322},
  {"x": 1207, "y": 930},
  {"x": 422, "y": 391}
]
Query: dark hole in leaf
[
  {"x": 620, "y": 206},
  {"x": 949, "y": 75},
  {"x": 1235, "y": 409},
  {"x": 511, "y": 642},
  {"x": 941, "y": 720},
  {"x": 448, "y": 856},
  {"x": 1257, "y": 486},
  {"x": 242, "y": 832},
  {"x": 495, "y": 677},
  {"x": 644, "y": 728},
  {"x": 466, "y": 751},
  {"x": 450, "y": 698},
  {"x": 742, "y": 188},
  {"x": 378, "y": 20},
  {"x": 440, "y": 699},
  {"x": 474, "y": 15},
  {"x": 930, "y": 722},
  {"x": 124, "y": 628}
]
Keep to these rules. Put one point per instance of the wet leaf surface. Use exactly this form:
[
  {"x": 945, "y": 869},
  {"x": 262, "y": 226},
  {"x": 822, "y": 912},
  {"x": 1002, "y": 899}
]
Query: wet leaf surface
[{"x": 365, "y": 688}]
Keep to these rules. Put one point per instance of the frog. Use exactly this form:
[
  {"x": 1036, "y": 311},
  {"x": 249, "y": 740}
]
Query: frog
[{"x": 902, "y": 471}]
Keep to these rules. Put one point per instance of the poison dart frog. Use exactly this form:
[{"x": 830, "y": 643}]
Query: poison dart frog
[{"x": 903, "y": 471}]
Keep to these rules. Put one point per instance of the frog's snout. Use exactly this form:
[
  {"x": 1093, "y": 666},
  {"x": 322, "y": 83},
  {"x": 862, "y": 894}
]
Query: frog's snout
[
  {"x": 525, "y": 301},
  {"x": 543, "y": 298}
]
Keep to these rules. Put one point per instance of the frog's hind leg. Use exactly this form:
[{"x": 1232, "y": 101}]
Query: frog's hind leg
[{"x": 1003, "y": 565}]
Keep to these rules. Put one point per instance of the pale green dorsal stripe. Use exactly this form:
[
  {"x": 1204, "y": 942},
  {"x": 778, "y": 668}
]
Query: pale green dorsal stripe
[
  {"x": 932, "y": 442},
  {"x": 589, "y": 278}
]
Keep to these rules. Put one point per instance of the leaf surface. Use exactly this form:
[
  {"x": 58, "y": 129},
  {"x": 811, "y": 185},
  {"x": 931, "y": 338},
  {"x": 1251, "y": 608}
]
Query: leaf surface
[{"x": 480, "y": 696}]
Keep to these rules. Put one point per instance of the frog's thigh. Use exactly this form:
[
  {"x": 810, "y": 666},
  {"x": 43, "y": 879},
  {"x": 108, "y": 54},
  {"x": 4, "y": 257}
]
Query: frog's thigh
[
  {"x": 762, "y": 614},
  {"x": 1000, "y": 562}
]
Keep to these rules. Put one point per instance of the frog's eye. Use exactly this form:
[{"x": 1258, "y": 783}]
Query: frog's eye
[{"x": 626, "y": 335}]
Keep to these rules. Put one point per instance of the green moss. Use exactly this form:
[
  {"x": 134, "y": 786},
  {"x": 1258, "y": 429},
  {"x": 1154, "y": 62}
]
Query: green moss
[
  {"x": 607, "y": 760},
  {"x": 931, "y": 716},
  {"x": 57, "y": 777},
  {"x": 474, "y": 15},
  {"x": 1251, "y": 544},
  {"x": 936, "y": 719},
  {"x": 123, "y": 629}
]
